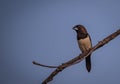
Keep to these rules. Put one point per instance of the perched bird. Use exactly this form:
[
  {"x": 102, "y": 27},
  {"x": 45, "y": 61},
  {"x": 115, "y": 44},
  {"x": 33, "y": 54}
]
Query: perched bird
[{"x": 84, "y": 42}]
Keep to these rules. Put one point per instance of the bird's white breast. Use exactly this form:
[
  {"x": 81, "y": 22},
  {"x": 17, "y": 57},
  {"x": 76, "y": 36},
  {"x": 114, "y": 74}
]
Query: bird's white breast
[{"x": 85, "y": 44}]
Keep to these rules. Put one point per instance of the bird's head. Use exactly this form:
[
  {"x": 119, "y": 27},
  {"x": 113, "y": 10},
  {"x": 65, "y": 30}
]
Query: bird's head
[{"x": 80, "y": 29}]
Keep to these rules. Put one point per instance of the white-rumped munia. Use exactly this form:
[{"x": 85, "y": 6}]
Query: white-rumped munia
[{"x": 84, "y": 42}]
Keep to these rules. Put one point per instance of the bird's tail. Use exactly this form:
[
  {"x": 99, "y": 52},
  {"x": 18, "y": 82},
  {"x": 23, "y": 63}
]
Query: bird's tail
[{"x": 88, "y": 63}]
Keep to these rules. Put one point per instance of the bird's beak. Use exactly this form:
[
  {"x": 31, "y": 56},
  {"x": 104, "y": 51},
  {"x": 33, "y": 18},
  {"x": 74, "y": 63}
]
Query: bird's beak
[{"x": 75, "y": 28}]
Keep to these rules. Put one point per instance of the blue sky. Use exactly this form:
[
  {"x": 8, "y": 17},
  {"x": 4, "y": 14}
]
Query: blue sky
[{"x": 41, "y": 30}]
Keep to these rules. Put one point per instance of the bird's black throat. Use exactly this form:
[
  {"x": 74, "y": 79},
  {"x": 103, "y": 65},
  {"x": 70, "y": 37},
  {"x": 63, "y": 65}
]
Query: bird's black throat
[{"x": 81, "y": 36}]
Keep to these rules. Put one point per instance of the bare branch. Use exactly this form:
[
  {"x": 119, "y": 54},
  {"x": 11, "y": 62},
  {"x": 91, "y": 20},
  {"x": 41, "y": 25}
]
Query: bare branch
[
  {"x": 44, "y": 65},
  {"x": 79, "y": 58}
]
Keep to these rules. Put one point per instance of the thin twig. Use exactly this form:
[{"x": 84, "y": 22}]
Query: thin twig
[{"x": 44, "y": 65}]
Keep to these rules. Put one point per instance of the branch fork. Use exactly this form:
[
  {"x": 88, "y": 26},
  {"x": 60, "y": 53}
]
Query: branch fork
[{"x": 76, "y": 59}]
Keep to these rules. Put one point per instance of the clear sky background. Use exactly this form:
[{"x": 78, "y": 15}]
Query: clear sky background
[{"x": 41, "y": 30}]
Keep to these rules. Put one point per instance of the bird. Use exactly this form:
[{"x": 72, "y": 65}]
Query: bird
[{"x": 84, "y": 43}]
